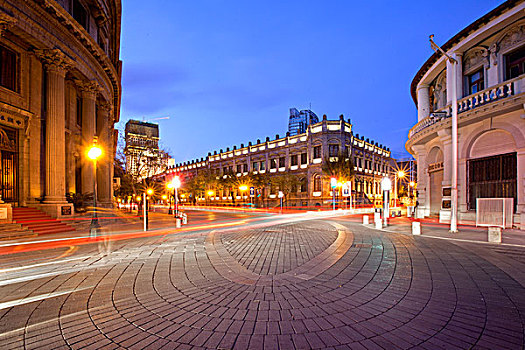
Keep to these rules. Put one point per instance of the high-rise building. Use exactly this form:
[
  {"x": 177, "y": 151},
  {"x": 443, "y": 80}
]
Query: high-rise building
[
  {"x": 299, "y": 121},
  {"x": 143, "y": 156},
  {"x": 59, "y": 91}
]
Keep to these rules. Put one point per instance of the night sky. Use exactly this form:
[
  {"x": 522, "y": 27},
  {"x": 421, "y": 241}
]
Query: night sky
[{"x": 227, "y": 72}]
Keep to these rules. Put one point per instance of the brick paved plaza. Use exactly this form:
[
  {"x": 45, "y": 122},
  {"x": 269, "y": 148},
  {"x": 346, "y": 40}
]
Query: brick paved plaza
[{"x": 323, "y": 283}]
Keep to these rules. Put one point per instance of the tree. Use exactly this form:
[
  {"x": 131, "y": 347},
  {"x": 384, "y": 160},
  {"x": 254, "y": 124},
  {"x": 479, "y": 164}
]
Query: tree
[
  {"x": 340, "y": 167},
  {"x": 287, "y": 183}
]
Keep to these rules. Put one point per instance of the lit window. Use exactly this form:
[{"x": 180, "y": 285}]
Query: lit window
[{"x": 8, "y": 69}]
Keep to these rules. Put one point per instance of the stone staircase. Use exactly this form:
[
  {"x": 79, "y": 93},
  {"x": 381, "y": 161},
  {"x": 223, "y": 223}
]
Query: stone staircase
[
  {"x": 39, "y": 222},
  {"x": 14, "y": 231}
]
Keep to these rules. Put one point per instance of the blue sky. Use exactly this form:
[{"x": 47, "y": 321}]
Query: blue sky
[{"x": 227, "y": 72}]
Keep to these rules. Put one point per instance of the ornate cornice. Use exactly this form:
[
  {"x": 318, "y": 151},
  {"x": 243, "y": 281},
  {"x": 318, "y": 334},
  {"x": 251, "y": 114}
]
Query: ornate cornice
[{"x": 6, "y": 21}]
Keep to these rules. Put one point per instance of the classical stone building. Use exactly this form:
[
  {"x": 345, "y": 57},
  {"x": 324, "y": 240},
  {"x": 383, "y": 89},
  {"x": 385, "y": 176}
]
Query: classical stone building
[
  {"x": 59, "y": 90},
  {"x": 490, "y": 84},
  {"x": 302, "y": 155}
]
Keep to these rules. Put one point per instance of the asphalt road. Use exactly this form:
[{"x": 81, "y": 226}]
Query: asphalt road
[{"x": 235, "y": 280}]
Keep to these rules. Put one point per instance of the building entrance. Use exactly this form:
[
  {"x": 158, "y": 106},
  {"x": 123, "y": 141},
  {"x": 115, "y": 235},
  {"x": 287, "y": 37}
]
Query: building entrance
[{"x": 8, "y": 165}]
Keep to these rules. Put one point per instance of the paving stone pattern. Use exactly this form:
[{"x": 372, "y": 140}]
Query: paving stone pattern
[{"x": 317, "y": 284}]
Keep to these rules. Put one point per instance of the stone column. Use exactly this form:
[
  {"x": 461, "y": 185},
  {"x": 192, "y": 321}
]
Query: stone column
[
  {"x": 520, "y": 185},
  {"x": 56, "y": 64},
  {"x": 105, "y": 164},
  {"x": 423, "y": 102},
  {"x": 423, "y": 207},
  {"x": 89, "y": 114}
]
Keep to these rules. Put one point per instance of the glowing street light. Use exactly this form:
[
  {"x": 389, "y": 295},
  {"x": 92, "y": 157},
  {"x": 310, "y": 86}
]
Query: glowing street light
[
  {"x": 398, "y": 175},
  {"x": 333, "y": 184},
  {"x": 386, "y": 186},
  {"x": 94, "y": 153},
  {"x": 243, "y": 189},
  {"x": 176, "y": 185},
  {"x": 211, "y": 193}
]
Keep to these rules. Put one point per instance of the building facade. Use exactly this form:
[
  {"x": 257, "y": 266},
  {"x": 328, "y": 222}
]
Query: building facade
[
  {"x": 143, "y": 156},
  {"x": 301, "y": 155},
  {"x": 490, "y": 84},
  {"x": 59, "y": 91}
]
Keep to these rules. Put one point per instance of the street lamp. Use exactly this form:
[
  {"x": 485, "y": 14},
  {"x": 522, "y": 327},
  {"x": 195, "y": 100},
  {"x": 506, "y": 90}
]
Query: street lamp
[
  {"x": 149, "y": 192},
  {"x": 243, "y": 189},
  {"x": 170, "y": 187},
  {"x": 454, "y": 100},
  {"x": 399, "y": 175},
  {"x": 210, "y": 194},
  {"x": 94, "y": 153}
]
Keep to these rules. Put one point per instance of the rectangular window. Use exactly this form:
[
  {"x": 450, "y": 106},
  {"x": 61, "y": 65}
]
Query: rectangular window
[
  {"x": 255, "y": 166},
  {"x": 263, "y": 165},
  {"x": 239, "y": 168},
  {"x": 515, "y": 63},
  {"x": 294, "y": 159},
  {"x": 224, "y": 170},
  {"x": 281, "y": 162},
  {"x": 230, "y": 169},
  {"x": 333, "y": 150},
  {"x": 492, "y": 177},
  {"x": 317, "y": 183},
  {"x": 273, "y": 163},
  {"x": 8, "y": 69},
  {"x": 79, "y": 111},
  {"x": 304, "y": 158},
  {"x": 245, "y": 168},
  {"x": 80, "y": 14},
  {"x": 475, "y": 82},
  {"x": 317, "y": 152}
]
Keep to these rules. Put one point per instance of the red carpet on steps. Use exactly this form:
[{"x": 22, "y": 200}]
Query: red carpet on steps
[{"x": 38, "y": 221}]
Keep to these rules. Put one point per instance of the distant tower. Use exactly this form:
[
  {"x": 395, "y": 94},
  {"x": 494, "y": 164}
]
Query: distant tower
[{"x": 299, "y": 121}]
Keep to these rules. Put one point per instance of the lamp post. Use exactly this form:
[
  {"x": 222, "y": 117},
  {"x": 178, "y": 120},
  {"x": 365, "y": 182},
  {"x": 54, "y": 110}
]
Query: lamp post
[
  {"x": 170, "y": 188},
  {"x": 176, "y": 185},
  {"x": 454, "y": 98},
  {"x": 399, "y": 175},
  {"x": 94, "y": 153},
  {"x": 148, "y": 192},
  {"x": 210, "y": 194},
  {"x": 243, "y": 189}
]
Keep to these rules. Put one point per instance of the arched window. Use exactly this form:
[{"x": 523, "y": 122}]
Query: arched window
[{"x": 317, "y": 183}]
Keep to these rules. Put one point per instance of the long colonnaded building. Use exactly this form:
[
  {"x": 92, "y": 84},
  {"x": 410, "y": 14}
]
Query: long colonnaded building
[
  {"x": 302, "y": 155},
  {"x": 60, "y": 89},
  {"x": 490, "y": 84}
]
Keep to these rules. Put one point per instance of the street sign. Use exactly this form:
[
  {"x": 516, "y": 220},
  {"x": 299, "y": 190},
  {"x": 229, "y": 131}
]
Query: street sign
[
  {"x": 346, "y": 189},
  {"x": 252, "y": 192},
  {"x": 333, "y": 182}
]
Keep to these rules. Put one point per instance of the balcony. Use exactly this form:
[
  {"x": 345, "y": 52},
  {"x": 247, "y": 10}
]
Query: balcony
[{"x": 471, "y": 102}]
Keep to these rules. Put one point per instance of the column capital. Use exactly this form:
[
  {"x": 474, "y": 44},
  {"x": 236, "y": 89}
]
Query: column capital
[
  {"x": 422, "y": 86},
  {"x": 89, "y": 89},
  {"x": 55, "y": 60},
  {"x": 106, "y": 107}
]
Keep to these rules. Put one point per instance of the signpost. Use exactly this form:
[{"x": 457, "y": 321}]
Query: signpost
[{"x": 281, "y": 195}]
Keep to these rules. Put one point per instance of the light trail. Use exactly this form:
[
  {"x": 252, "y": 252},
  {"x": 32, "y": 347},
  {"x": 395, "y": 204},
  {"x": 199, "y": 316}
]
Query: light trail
[
  {"x": 19, "y": 268},
  {"x": 12, "y": 303}
]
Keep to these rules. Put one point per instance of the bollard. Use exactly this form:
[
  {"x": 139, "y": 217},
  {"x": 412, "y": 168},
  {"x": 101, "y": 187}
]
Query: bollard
[
  {"x": 416, "y": 228},
  {"x": 379, "y": 224},
  {"x": 177, "y": 222},
  {"x": 495, "y": 234},
  {"x": 365, "y": 219},
  {"x": 377, "y": 216}
]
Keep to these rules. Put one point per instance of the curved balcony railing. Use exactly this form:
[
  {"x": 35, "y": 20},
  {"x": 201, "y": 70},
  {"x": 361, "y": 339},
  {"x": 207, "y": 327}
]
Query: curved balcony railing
[{"x": 492, "y": 94}]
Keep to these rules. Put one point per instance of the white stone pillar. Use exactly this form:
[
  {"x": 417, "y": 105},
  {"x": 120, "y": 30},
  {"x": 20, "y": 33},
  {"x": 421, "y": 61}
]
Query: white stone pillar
[
  {"x": 105, "y": 165},
  {"x": 520, "y": 184},
  {"x": 56, "y": 65},
  {"x": 459, "y": 76},
  {"x": 423, "y": 102},
  {"x": 423, "y": 207}
]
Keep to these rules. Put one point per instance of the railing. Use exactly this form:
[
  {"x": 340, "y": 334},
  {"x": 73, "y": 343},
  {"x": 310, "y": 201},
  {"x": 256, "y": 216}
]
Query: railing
[
  {"x": 494, "y": 93},
  {"x": 425, "y": 123}
]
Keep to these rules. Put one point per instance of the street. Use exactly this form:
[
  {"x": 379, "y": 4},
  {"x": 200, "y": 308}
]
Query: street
[{"x": 241, "y": 280}]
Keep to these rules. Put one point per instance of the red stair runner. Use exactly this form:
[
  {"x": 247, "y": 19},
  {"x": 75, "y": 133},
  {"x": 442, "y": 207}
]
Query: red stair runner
[{"x": 38, "y": 221}]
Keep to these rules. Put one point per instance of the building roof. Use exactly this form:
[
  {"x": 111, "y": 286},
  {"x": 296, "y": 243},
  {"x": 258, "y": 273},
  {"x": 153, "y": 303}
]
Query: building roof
[{"x": 480, "y": 22}]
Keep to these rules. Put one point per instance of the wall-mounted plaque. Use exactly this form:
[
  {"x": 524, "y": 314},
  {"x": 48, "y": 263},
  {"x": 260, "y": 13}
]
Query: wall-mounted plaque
[
  {"x": 447, "y": 192},
  {"x": 446, "y": 204},
  {"x": 66, "y": 210}
]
